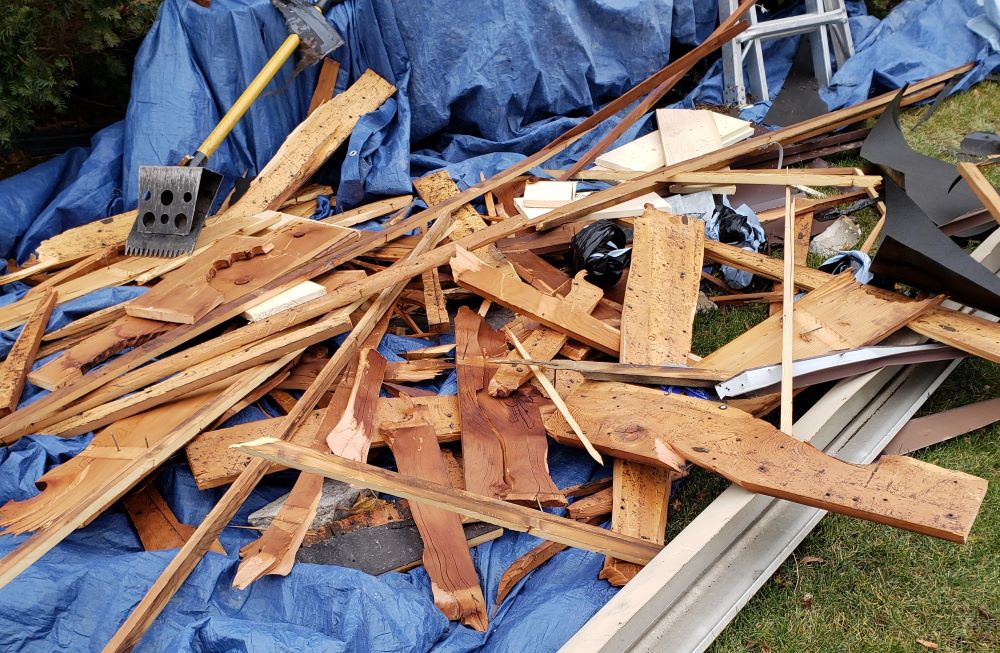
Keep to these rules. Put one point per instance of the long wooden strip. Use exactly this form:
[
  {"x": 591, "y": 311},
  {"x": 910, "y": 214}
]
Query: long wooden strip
[
  {"x": 970, "y": 333},
  {"x": 791, "y": 134},
  {"x": 352, "y": 435},
  {"x": 640, "y": 374},
  {"x": 434, "y": 304},
  {"x": 371, "y": 211},
  {"x": 142, "y": 461},
  {"x": 776, "y": 178},
  {"x": 636, "y": 422},
  {"x": 446, "y": 556},
  {"x": 556, "y": 399},
  {"x": 661, "y": 298},
  {"x": 501, "y": 513},
  {"x": 469, "y": 272},
  {"x": 529, "y": 562},
  {"x": 787, "y": 321},
  {"x": 806, "y": 278},
  {"x": 184, "y": 563},
  {"x": 15, "y": 367}
]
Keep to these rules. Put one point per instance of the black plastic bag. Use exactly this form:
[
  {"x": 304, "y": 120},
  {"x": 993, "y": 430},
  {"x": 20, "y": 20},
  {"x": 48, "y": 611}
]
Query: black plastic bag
[{"x": 600, "y": 249}]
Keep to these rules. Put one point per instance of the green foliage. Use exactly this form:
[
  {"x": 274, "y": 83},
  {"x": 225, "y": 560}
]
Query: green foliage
[{"x": 46, "y": 48}]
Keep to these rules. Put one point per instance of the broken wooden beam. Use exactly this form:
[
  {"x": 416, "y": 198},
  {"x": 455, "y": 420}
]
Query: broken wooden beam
[{"x": 507, "y": 515}]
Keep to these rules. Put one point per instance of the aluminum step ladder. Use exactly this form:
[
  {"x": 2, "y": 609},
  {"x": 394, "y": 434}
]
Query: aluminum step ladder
[{"x": 824, "y": 21}]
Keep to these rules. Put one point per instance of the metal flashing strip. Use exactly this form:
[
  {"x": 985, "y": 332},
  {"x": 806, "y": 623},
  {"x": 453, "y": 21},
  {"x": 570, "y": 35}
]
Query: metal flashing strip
[{"x": 695, "y": 586}]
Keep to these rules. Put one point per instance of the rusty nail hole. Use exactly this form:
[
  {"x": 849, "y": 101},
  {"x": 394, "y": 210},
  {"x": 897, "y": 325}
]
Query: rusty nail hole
[
  {"x": 240, "y": 281},
  {"x": 298, "y": 234}
]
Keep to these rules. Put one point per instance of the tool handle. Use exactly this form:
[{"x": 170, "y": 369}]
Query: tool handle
[{"x": 256, "y": 87}]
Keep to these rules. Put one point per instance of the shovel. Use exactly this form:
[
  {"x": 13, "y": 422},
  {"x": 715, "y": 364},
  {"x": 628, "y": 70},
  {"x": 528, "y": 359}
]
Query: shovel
[{"x": 174, "y": 201}]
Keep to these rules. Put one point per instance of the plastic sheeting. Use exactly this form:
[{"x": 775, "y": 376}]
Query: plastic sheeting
[{"x": 480, "y": 85}]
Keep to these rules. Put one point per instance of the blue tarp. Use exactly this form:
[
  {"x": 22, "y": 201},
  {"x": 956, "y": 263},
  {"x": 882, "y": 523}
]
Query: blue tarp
[{"x": 480, "y": 85}]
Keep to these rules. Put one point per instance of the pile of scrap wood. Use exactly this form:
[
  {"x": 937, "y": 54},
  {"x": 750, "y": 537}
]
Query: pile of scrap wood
[{"x": 539, "y": 351}]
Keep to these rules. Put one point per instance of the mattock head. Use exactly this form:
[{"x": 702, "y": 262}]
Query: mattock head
[{"x": 318, "y": 37}]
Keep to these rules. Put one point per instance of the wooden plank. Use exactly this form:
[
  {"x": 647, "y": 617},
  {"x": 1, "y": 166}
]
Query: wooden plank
[
  {"x": 352, "y": 435},
  {"x": 325, "y": 83},
  {"x": 501, "y": 513},
  {"x": 100, "y": 259},
  {"x": 367, "y": 212},
  {"x": 787, "y": 319},
  {"x": 155, "y": 522},
  {"x": 784, "y": 177},
  {"x": 598, "y": 504},
  {"x": 112, "y": 470},
  {"x": 213, "y": 463},
  {"x": 122, "y": 334},
  {"x": 437, "y": 188},
  {"x": 294, "y": 296},
  {"x": 982, "y": 187},
  {"x": 640, "y": 374},
  {"x": 842, "y": 314},
  {"x": 434, "y": 304},
  {"x": 232, "y": 267},
  {"x": 555, "y": 398},
  {"x": 661, "y": 298},
  {"x": 970, "y": 333},
  {"x": 446, "y": 556},
  {"x": 87, "y": 324},
  {"x": 20, "y": 357},
  {"x": 187, "y": 559},
  {"x": 636, "y": 422},
  {"x": 803, "y": 226},
  {"x": 555, "y": 313},
  {"x": 503, "y": 443},
  {"x": 544, "y": 343},
  {"x": 526, "y": 564},
  {"x": 806, "y": 278}
]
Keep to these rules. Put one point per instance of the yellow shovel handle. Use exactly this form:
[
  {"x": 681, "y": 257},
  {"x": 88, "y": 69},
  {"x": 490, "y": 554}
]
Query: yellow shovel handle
[{"x": 259, "y": 83}]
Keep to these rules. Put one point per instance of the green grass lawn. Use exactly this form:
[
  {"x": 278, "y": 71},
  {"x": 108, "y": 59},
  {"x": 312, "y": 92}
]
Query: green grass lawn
[{"x": 857, "y": 586}]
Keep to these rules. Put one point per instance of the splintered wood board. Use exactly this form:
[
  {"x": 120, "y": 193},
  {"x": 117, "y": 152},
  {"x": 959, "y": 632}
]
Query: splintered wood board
[
  {"x": 661, "y": 297},
  {"x": 446, "y": 556},
  {"x": 156, "y": 524},
  {"x": 842, "y": 314},
  {"x": 437, "y": 188},
  {"x": 14, "y": 369},
  {"x": 639, "y": 423},
  {"x": 213, "y": 463},
  {"x": 554, "y": 312},
  {"x": 504, "y": 449},
  {"x": 233, "y": 267}
]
